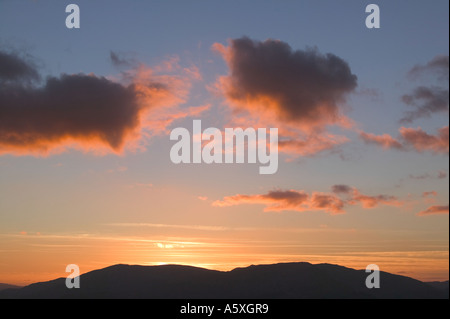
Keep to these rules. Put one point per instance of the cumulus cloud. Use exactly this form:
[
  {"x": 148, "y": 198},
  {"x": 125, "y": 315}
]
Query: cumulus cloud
[
  {"x": 301, "y": 86},
  {"x": 80, "y": 111},
  {"x": 434, "y": 210},
  {"x": 367, "y": 201},
  {"x": 300, "y": 91},
  {"x": 274, "y": 200},
  {"x": 412, "y": 139},
  {"x": 301, "y": 201}
]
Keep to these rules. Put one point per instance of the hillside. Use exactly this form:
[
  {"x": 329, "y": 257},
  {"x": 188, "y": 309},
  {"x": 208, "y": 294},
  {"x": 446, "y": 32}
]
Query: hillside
[{"x": 277, "y": 281}]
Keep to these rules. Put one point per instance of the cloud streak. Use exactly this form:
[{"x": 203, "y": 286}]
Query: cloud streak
[
  {"x": 427, "y": 100},
  {"x": 434, "y": 210},
  {"x": 412, "y": 139},
  {"x": 299, "y": 91},
  {"x": 439, "y": 64},
  {"x": 300, "y": 201}
]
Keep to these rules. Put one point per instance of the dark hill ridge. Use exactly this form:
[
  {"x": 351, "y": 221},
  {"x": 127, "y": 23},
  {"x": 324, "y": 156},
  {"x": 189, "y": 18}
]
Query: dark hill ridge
[{"x": 278, "y": 281}]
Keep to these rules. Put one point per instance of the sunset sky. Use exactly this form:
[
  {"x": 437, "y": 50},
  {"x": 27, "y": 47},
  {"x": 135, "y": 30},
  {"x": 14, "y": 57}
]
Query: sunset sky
[{"x": 86, "y": 114}]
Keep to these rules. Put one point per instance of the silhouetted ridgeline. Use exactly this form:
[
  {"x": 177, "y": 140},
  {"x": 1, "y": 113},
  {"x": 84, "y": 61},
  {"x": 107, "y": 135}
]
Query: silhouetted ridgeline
[
  {"x": 278, "y": 281},
  {"x": 7, "y": 286}
]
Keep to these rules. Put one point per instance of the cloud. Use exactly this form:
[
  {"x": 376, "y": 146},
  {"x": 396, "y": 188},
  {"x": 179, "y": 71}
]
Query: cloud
[
  {"x": 300, "y": 201},
  {"x": 434, "y": 210},
  {"x": 277, "y": 200},
  {"x": 118, "y": 60},
  {"x": 440, "y": 175},
  {"x": 422, "y": 141},
  {"x": 299, "y": 91},
  {"x": 354, "y": 196},
  {"x": 341, "y": 189},
  {"x": 80, "y": 111},
  {"x": 429, "y": 197},
  {"x": 14, "y": 68},
  {"x": 327, "y": 202},
  {"x": 426, "y": 101},
  {"x": 374, "y": 201},
  {"x": 439, "y": 64},
  {"x": 305, "y": 87},
  {"x": 385, "y": 141},
  {"x": 427, "y": 194},
  {"x": 311, "y": 144},
  {"x": 411, "y": 139}
]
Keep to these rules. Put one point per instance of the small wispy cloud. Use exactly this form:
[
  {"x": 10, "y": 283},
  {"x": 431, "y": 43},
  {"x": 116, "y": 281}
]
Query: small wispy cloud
[
  {"x": 435, "y": 210},
  {"x": 412, "y": 139},
  {"x": 301, "y": 201}
]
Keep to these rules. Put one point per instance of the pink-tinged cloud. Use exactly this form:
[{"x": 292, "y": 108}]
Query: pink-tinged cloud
[
  {"x": 326, "y": 202},
  {"x": 367, "y": 201},
  {"x": 300, "y": 201},
  {"x": 425, "y": 101},
  {"x": 354, "y": 197},
  {"x": 429, "y": 197},
  {"x": 277, "y": 200},
  {"x": 434, "y": 210},
  {"x": 86, "y": 112},
  {"x": 385, "y": 141},
  {"x": 422, "y": 141},
  {"x": 412, "y": 139},
  {"x": 299, "y": 91}
]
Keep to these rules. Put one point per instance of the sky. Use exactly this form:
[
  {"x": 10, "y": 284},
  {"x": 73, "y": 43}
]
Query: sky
[{"x": 86, "y": 115}]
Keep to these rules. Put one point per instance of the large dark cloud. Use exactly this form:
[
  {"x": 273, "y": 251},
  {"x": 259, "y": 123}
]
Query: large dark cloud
[
  {"x": 305, "y": 87},
  {"x": 78, "y": 106},
  {"x": 87, "y": 110},
  {"x": 412, "y": 139}
]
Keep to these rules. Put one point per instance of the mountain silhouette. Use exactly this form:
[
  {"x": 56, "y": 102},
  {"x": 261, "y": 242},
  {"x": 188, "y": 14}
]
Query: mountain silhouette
[
  {"x": 8, "y": 286},
  {"x": 277, "y": 281}
]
